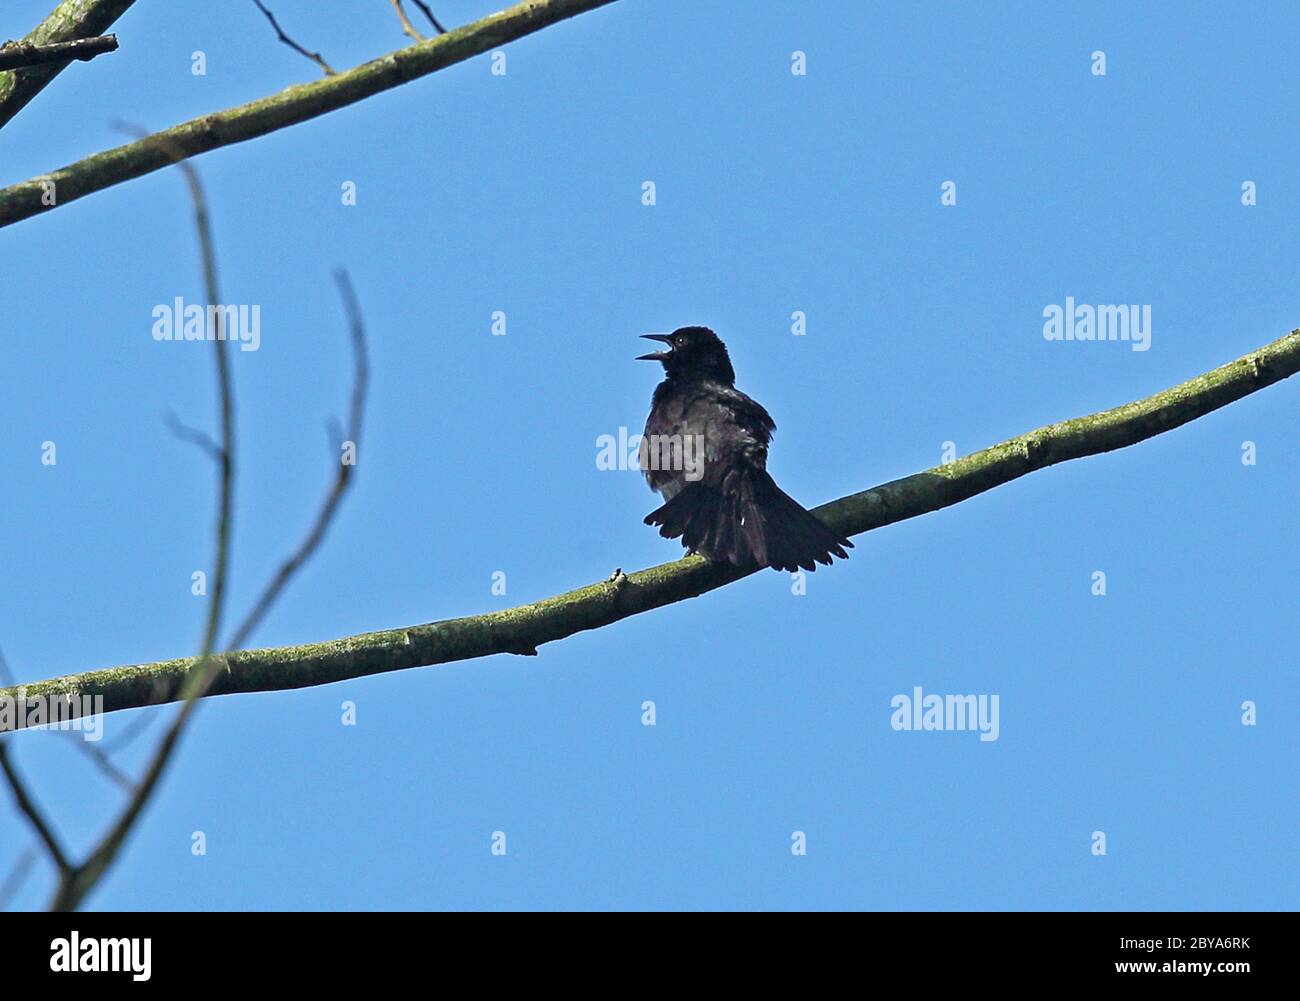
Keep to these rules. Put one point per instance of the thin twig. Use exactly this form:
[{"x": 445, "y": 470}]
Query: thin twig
[
  {"x": 356, "y": 411},
  {"x": 19, "y": 55},
  {"x": 429, "y": 14},
  {"x": 313, "y": 56},
  {"x": 76, "y": 882},
  {"x": 221, "y": 452},
  {"x": 74, "y": 886},
  {"x": 201, "y": 439},
  {"x": 407, "y": 27},
  {"x": 105, "y": 764},
  {"x": 126, "y": 735},
  {"x": 22, "y": 868},
  {"x": 22, "y": 798},
  {"x": 29, "y": 809}
]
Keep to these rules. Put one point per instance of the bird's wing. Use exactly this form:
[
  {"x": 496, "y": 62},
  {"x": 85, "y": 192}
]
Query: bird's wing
[
  {"x": 715, "y": 428},
  {"x": 736, "y": 430}
]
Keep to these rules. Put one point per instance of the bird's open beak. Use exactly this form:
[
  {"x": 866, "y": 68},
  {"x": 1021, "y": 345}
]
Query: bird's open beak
[{"x": 658, "y": 355}]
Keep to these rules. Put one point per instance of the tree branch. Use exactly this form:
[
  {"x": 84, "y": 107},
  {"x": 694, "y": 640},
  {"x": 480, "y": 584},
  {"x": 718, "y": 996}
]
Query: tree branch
[
  {"x": 20, "y": 55},
  {"x": 99, "y": 756},
  {"x": 76, "y": 881},
  {"x": 289, "y": 107},
  {"x": 70, "y": 20},
  {"x": 521, "y": 630}
]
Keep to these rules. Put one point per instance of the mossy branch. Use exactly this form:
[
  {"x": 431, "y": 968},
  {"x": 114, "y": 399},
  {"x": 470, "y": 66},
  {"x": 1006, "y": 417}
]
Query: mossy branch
[
  {"x": 69, "y": 21},
  {"x": 289, "y": 107},
  {"x": 523, "y": 629}
]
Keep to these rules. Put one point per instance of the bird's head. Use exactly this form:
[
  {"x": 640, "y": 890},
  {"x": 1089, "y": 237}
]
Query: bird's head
[{"x": 693, "y": 353}]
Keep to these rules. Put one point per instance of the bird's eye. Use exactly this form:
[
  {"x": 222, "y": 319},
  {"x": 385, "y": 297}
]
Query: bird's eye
[{"x": 678, "y": 341}]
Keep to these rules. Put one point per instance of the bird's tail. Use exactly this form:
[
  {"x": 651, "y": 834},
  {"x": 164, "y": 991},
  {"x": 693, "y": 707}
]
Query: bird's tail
[{"x": 748, "y": 521}]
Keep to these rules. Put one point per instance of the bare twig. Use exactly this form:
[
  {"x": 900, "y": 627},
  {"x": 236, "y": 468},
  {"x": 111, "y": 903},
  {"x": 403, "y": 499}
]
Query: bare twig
[
  {"x": 126, "y": 735},
  {"x": 201, "y": 439},
  {"x": 22, "y": 868},
  {"x": 342, "y": 480},
  {"x": 20, "y": 55},
  {"x": 407, "y": 27},
  {"x": 429, "y": 14},
  {"x": 105, "y": 765},
  {"x": 313, "y": 56},
  {"x": 77, "y": 881},
  {"x": 222, "y": 453},
  {"x": 28, "y": 808}
]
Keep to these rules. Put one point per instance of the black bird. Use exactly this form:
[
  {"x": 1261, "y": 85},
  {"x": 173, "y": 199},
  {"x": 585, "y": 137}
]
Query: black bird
[{"x": 705, "y": 450}]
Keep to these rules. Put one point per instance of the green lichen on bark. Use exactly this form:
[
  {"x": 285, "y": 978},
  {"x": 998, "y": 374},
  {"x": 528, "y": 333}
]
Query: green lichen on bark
[
  {"x": 523, "y": 629},
  {"x": 71, "y": 19}
]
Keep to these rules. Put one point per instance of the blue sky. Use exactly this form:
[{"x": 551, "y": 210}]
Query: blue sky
[{"x": 776, "y": 193}]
